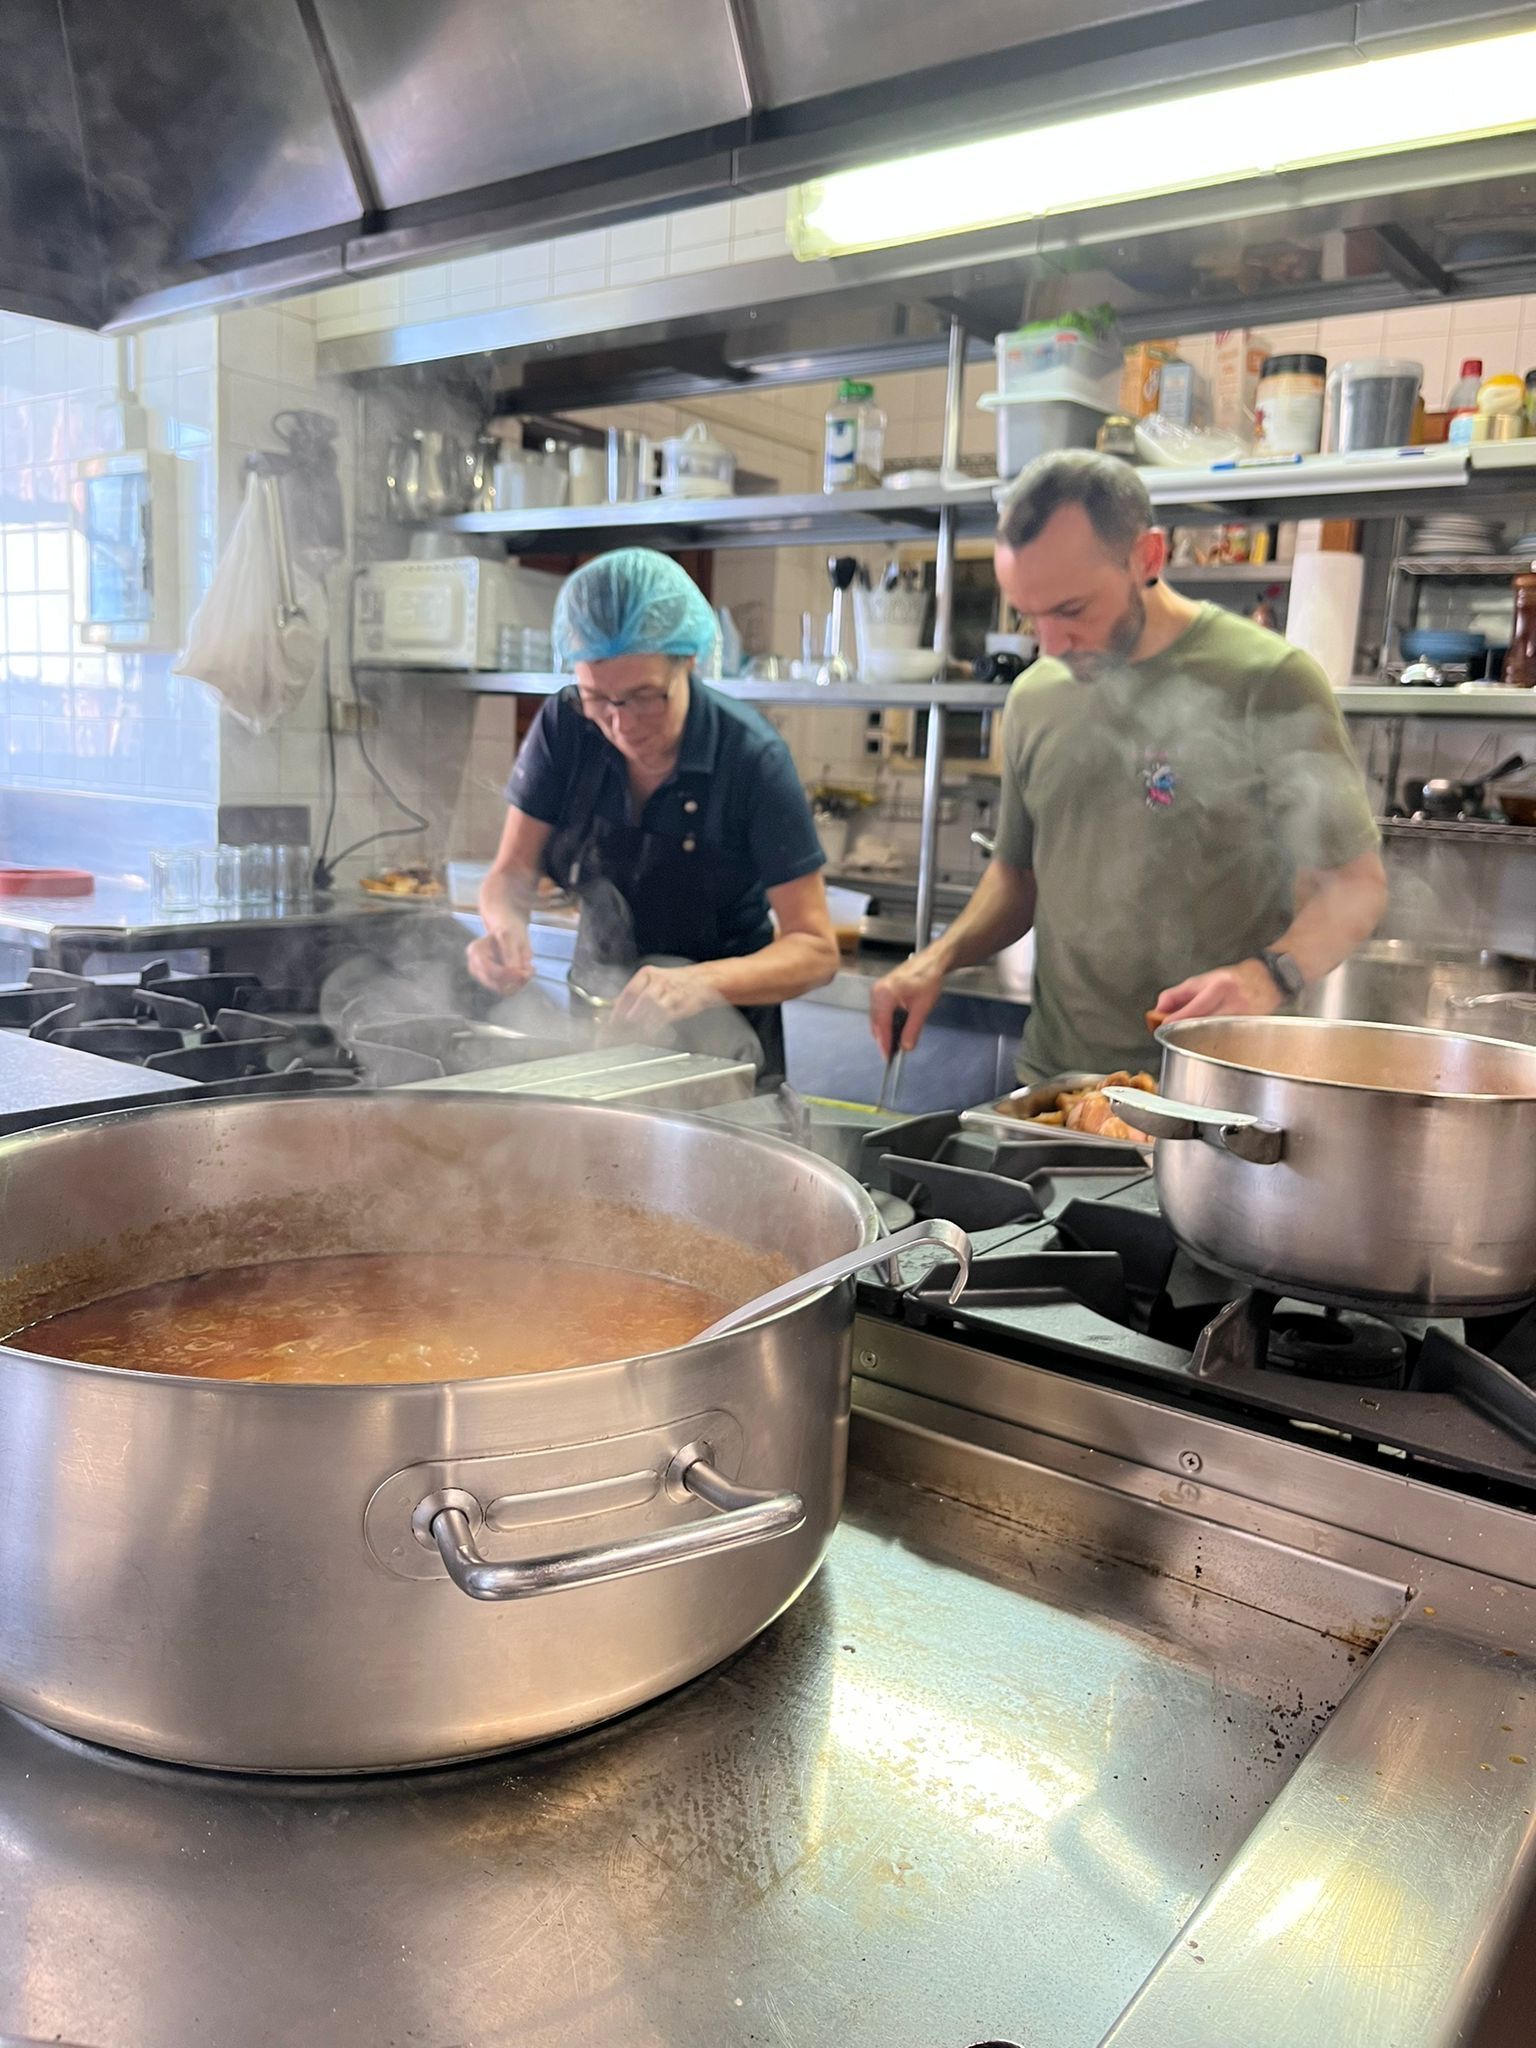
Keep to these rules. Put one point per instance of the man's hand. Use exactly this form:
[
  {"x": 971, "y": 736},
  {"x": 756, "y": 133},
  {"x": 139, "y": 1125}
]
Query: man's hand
[
  {"x": 915, "y": 986},
  {"x": 502, "y": 961},
  {"x": 656, "y": 997},
  {"x": 1246, "y": 990}
]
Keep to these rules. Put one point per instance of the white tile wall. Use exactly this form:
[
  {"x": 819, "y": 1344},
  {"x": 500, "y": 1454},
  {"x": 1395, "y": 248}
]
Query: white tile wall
[{"x": 746, "y": 230}]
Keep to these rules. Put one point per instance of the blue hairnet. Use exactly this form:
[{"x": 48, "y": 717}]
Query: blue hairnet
[{"x": 633, "y": 601}]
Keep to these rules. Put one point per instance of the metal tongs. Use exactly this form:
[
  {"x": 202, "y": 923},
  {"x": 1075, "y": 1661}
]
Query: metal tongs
[
  {"x": 890, "y": 1080},
  {"x": 933, "y": 1230}
]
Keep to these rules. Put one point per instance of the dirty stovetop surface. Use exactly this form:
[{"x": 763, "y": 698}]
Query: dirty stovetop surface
[{"x": 967, "y": 1789}]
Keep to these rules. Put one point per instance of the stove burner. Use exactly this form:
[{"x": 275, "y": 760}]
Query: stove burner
[
  {"x": 223, "y": 1029},
  {"x": 1328, "y": 1344}
]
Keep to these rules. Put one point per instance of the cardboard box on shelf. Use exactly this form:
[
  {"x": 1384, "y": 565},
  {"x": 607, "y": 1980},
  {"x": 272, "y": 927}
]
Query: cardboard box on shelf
[
  {"x": 1141, "y": 376},
  {"x": 1176, "y": 392},
  {"x": 1238, "y": 360}
]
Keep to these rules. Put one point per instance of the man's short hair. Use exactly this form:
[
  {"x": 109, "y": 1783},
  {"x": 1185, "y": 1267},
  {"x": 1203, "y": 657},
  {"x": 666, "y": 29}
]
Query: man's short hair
[{"x": 1108, "y": 489}]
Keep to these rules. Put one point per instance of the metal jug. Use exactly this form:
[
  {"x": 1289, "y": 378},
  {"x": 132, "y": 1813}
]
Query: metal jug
[{"x": 422, "y": 475}]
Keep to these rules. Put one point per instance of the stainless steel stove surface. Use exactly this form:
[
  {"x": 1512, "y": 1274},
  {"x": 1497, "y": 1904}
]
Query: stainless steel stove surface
[
  {"x": 1076, "y": 1267},
  {"x": 937, "y": 1804}
]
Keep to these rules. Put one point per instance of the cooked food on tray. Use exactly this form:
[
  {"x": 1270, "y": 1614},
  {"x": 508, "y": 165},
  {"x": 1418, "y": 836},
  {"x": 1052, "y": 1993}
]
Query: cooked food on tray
[
  {"x": 412, "y": 881},
  {"x": 1083, "y": 1107}
]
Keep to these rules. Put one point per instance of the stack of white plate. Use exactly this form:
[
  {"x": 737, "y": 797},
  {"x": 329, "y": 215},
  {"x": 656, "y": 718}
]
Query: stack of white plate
[
  {"x": 1523, "y": 545},
  {"x": 1457, "y": 533}
]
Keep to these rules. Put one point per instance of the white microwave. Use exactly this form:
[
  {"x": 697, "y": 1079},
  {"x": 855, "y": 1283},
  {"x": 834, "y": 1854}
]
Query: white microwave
[{"x": 446, "y": 613}]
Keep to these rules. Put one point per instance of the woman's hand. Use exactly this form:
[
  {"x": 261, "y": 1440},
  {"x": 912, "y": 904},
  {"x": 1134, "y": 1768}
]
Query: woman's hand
[
  {"x": 655, "y": 998},
  {"x": 502, "y": 961}
]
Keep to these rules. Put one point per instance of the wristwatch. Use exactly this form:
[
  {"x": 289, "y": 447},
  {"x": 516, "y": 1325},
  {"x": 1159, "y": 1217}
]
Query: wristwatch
[{"x": 1284, "y": 973}]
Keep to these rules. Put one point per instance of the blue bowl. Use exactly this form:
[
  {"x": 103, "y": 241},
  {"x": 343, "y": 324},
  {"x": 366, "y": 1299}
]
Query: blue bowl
[{"x": 1422, "y": 643}]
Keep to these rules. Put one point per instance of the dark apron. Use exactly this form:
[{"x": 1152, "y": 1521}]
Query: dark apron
[{"x": 674, "y": 892}]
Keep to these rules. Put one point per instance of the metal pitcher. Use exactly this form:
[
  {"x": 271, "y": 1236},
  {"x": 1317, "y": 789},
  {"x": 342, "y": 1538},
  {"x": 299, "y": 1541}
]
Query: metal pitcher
[{"x": 422, "y": 475}]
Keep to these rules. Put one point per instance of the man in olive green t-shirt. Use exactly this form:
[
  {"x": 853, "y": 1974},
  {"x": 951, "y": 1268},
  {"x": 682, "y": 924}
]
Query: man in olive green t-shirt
[{"x": 1182, "y": 824}]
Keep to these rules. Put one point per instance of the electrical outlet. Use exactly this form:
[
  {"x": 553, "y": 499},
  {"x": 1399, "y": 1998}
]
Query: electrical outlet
[{"x": 350, "y": 715}]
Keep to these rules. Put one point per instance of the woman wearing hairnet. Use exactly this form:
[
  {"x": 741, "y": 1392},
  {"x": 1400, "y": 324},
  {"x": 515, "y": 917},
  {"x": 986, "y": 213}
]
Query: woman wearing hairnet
[{"x": 672, "y": 813}]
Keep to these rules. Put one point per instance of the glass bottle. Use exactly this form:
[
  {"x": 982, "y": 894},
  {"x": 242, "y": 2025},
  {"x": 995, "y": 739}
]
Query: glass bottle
[
  {"x": 1520, "y": 662},
  {"x": 854, "y": 450}
]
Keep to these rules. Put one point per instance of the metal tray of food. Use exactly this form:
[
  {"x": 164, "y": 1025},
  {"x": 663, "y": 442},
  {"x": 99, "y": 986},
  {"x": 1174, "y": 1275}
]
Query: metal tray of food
[{"x": 1015, "y": 1116}]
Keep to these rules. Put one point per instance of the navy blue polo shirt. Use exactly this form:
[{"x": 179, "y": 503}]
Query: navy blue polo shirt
[{"x": 734, "y": 788}]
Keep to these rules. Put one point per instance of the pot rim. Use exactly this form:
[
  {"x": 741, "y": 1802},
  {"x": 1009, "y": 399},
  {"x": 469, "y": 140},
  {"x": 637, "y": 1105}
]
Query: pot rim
[
  {"x": 1166, "y": 1037},
  {"x": 761, "y": 1141}
]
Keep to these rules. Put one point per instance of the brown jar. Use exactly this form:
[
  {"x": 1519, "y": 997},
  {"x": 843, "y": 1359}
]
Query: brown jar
[{"x": 1520, "y": 662}]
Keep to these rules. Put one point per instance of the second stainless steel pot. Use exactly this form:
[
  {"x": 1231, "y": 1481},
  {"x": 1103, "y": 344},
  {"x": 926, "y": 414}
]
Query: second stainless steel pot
[
  {"x": 1392, "y": 982},
  {"x": 1366, "y": 1164},
  {"x": 269, "y": 1577}
]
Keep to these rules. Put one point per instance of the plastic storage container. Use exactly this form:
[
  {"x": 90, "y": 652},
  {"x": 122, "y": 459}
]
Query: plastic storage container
[
  {"x": 854, "y": 450},
  {"x": 1027, "y": 427},
  {"x": 696, "y": 465},
  {"x": 1370, "y": 404},
  {"x": 1288, "y": 410},
  {"x": 1046, "y": 361}
]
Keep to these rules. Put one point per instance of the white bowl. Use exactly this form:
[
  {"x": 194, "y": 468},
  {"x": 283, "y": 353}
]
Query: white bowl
[{"x": 899, "y": 665}]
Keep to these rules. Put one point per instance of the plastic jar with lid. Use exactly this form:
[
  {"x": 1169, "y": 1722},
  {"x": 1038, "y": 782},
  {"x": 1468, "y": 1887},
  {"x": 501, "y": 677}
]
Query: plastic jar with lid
[
  {"x": 854, "y": 450},
  {"x": 1288, "y": 407}
]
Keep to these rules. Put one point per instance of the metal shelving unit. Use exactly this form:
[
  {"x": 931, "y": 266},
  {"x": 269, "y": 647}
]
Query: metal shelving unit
[
  {"x": 1393, "y": 484},
  {"x": 851, "y": 695},
  {"x": 1373, "y": 700}
]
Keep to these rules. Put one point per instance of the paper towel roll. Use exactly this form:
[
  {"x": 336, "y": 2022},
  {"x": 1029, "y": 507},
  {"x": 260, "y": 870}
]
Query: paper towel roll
[{"x": 1323, "y": 615}]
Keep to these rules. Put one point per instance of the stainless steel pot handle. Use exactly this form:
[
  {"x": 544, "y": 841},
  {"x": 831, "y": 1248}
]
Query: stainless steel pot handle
[
  {"x": 744, "y": 1516},
  {"x": 932, "y": 1230},
  {"x": 1246, "y": 1137},
  {"x": 1511, "y": 999}
]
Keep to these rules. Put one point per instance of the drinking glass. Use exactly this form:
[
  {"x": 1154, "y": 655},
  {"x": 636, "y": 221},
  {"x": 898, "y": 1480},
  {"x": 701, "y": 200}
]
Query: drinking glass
[
  {"x": 173, "y": 880},
  {"x": 293, "y": 886},
  {"x": 258, "y": 872},
  {"x": 218, "y": 879}
]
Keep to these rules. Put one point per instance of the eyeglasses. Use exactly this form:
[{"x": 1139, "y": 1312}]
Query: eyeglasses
[{"x": 644, "y": 703}]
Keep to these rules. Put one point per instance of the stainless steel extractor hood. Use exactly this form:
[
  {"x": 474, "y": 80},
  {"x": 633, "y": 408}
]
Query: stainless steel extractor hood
[{"x": 203, "y": 151}]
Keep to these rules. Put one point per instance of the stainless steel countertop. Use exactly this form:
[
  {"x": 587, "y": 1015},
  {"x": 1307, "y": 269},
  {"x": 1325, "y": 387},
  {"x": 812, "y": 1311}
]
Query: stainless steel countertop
[
  {"x": 42, "y": 1083},
  {"x": 122, "y": 909},
  {"x": 1061, "y": 1746}
]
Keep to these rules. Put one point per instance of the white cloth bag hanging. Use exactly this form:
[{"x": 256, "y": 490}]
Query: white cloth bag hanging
[{"x": 258, "y": 637}]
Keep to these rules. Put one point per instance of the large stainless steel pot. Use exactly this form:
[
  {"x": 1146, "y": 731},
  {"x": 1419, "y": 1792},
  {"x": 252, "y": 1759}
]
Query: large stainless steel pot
[
  {"x": 1393, "y": 982},
  {"x": 253, "y": 1576},
  {"x": 1368, "y": 1164}
]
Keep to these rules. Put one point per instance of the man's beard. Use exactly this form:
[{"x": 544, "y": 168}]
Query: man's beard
[{"x": 1088, "y": 664}]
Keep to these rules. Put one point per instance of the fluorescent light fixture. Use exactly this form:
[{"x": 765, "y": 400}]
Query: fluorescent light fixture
[{"x": 1371, "y": 107}]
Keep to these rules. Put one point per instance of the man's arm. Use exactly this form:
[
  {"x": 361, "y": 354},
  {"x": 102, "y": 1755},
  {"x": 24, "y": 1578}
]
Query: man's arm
[
  {"x": 1337, "y": 910},
  {"x": 503, "y": 959},
  {"x": 1001, "y": 910}
]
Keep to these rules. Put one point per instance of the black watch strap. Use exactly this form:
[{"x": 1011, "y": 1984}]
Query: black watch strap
[{"x": 1284, "y": 973}]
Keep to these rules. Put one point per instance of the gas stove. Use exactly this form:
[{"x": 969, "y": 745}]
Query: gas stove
[
  {"x": 1076, "y": 1270},
  {"x": 224, "y": 1030}
]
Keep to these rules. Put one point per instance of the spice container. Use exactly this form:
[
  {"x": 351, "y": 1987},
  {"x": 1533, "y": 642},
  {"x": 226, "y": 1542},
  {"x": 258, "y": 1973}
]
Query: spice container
[
  {"x": 1369, "y": 404},
  {"x": 854, "y": 449},
  {"x": 1289, "y": 406}
]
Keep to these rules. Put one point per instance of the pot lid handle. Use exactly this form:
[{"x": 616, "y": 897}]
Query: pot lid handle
[{"x": 1245, "y": 1137}]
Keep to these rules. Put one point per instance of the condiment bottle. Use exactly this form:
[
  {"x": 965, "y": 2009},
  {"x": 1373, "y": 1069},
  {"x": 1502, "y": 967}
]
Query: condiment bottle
[
  {"x": 1520, "y": 662},
  {"x": 854, "y": 450}
]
